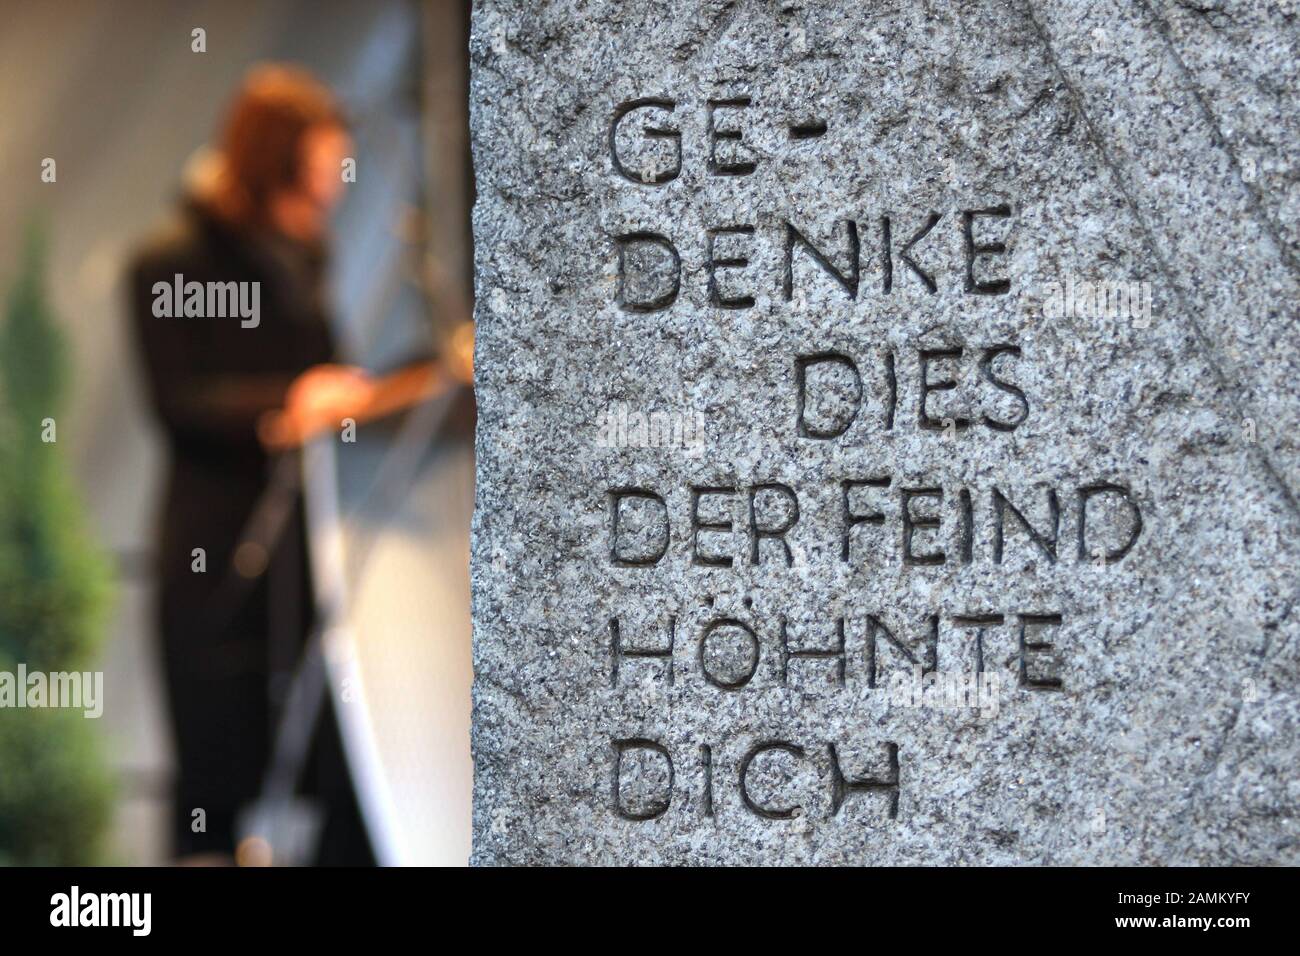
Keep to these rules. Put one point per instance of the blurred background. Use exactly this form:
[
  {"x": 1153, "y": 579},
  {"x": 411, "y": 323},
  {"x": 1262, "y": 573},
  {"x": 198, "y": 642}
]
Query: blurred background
[{"x": 115, "y": 94}]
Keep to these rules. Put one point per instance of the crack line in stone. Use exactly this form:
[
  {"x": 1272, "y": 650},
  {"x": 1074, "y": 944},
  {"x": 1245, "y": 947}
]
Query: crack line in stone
[
  {"x": 1217, "y": 137},
  {"x": 1207, "y": 344}
]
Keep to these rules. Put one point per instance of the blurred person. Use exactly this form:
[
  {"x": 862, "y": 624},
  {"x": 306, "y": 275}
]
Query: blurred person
[{"x": 256, "y": 212}]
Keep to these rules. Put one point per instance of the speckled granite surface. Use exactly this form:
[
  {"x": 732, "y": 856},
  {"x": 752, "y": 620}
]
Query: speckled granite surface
[{"x": 859, "y": 349}]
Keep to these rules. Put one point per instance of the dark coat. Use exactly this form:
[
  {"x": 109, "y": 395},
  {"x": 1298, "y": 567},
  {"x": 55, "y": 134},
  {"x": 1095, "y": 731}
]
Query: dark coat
[{"x": 209, "y": 381}]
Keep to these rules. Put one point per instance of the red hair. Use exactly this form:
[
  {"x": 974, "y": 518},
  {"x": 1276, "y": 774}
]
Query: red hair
[{"x": 261, "y": 141}]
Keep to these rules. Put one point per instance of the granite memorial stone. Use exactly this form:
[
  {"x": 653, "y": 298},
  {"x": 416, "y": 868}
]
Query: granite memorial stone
[{"x": 887, "y": 449}]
